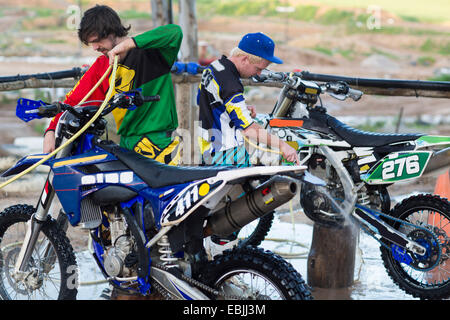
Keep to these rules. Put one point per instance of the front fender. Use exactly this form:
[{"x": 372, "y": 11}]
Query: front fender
[{"x": 24, "y": 164}]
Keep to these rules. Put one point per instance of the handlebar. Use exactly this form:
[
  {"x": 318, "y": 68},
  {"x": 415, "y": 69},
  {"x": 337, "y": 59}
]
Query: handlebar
[
  {"x": 339, "y": 90},
  {"x": 267, "y": 75},
  {"x": 30, "y": 109},
  {"x": 354, "y": 94}
]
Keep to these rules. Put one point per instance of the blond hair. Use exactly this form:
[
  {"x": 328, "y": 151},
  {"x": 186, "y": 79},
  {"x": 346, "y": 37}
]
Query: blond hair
[{"x": 236, "y": 52}]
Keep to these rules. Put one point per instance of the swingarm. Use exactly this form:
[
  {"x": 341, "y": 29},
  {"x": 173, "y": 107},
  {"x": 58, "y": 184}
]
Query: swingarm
[{"x": 377, "y": 226}]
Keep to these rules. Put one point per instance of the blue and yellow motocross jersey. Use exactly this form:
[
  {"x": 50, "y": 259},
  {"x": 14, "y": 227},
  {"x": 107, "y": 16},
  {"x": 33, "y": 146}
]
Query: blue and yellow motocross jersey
[{"x": 223, "y": 112}]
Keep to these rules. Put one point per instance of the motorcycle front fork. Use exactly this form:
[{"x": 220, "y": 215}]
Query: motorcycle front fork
[{"x": 34, "y": 225}]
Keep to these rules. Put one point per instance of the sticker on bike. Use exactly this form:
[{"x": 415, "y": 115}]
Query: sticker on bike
[
  {"x": 186, "y": 200},
  {"x": 398, "y": 167}
]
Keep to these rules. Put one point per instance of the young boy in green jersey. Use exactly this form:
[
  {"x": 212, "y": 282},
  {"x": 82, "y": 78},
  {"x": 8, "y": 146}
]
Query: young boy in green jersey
[{"x": 145, "y": 62}]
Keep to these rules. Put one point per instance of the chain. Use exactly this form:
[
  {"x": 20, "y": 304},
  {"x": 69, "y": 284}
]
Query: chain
[
  {"x": 195, "y": 283},
  {"x": 166, "y": 294}
]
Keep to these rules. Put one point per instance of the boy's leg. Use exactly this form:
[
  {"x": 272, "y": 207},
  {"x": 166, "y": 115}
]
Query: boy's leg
[
  {"x": 157, "y": 146},
  {"x": 238, "y": 157}
]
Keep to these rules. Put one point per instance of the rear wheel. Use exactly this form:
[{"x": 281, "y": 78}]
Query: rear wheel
[
  {"x": 255, "y": 232},
  {"x": 254, "y": 274},
  {"x": 427, "y": 221}
]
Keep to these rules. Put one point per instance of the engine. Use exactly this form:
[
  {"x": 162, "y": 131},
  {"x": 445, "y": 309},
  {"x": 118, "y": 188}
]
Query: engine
[
  {"x": 119, "y": 257},
  {"x": 317, "y": 201}
]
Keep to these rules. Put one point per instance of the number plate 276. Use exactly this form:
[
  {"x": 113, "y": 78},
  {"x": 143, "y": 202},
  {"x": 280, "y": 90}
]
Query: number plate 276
[{"x": 398, "y": 167}]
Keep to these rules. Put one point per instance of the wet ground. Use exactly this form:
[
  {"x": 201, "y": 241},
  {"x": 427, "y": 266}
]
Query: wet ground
[{"x": 371, "y": 280}]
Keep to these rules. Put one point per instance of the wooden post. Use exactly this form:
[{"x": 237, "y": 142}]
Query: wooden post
[
  {"x": 161, "y": 12},
  {"x": 186, "y": 92},
  {"x": 331, "y": 260}
]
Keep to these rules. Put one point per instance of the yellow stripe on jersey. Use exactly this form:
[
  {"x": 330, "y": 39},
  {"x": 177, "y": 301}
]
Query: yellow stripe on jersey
[{"x": 230, "y": 107}]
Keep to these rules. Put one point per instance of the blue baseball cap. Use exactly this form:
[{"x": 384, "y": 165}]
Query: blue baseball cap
[{"x": 259, "y": 45}]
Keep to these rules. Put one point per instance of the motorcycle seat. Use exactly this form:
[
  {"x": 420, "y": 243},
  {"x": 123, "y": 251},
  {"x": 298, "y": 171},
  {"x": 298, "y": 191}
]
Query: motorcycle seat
[
  {"x": 156, "y": 174},
  {"x": 359, "y": 138}
]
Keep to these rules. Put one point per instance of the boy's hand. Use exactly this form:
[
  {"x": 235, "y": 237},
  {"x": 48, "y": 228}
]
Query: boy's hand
[
  {"x": 252, "y": 110},
  {"x": 121, "y": 49},
  {"x": 289, "y": 153},
  {"x": 49, "y": 142}
]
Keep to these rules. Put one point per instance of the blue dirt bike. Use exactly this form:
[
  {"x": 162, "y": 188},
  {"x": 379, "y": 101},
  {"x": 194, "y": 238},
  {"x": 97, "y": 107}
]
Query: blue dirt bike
[{"x": 147, "y": 221}]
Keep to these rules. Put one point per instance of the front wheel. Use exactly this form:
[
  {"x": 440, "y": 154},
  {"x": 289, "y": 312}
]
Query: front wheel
[
  {"x": 426, "y": 220},
  {"x": 254, "y": 274},
  {"x": 51, "y": 273}
]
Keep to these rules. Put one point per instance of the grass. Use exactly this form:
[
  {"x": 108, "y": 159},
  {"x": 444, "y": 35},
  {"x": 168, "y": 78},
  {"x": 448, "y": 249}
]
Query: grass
[
  {"x": 327, "y": 51},
  {"x": 426, "y": 61},
  {"x": 432, "y": 46},
  {"x": 346, "y": 53},
  {"x": 336, "y": 14},
  {"x": 414, "y": 10},
  {"x": 372, "y": 127},
  {"x": 407, "y": 10},
  {"x": 374, "y": 50},
  {"x": 133, "y": 14},
  {"x": 442, "y": 77},
  {"x": 340, "y": 16}
]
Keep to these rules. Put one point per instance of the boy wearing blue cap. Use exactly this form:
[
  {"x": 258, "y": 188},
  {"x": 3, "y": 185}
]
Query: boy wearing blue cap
[
  {"x": 225, "y": 118},
  {"x": 224, "y": 115}
]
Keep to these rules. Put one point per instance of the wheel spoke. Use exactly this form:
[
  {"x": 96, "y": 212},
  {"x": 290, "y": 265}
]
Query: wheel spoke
[
  {"x": 44, "y": 273},
  {"x": 427, "y": 222}
]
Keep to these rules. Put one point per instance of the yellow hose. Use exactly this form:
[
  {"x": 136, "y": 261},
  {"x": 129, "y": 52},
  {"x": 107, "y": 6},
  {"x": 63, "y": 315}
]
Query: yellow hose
[
  {"x": 76, "y": 135},
  {"x": 258, "y": 147}
]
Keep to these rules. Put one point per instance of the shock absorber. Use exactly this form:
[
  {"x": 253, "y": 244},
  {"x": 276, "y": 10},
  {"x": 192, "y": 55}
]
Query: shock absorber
[
  {"x": 167, "y": 258},
  {"x": 363, "y": 198}
]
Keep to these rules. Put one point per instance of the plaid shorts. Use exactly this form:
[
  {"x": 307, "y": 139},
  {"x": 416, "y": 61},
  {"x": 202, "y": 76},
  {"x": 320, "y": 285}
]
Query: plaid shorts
[{"x": 237, "y": 156}]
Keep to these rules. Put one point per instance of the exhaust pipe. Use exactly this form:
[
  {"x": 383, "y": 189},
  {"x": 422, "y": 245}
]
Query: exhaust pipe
[{"x": 264, "y": 199}]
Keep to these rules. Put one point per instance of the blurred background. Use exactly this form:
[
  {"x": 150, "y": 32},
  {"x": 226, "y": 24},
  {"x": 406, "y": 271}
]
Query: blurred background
[{"x": 368, "y": 39}]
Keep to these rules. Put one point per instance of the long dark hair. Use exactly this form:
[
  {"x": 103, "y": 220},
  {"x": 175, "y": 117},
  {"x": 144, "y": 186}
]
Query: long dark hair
[{"x": 101, "y": 21}]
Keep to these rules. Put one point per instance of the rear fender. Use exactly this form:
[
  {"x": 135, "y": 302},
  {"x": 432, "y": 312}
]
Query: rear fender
[{"x": 429, "y": 141}]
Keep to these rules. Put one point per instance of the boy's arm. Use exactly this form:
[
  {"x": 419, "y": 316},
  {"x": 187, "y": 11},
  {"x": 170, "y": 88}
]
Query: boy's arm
[
  {"x": 84, "y": 85},
  {"x": 238, "y": 111},
  {"x": 256, "y": 133},
  {"x": 166, "y": 38}
]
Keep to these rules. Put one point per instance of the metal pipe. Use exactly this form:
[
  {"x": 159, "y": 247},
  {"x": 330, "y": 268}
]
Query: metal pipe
[{"x": 264, "y": 199}]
